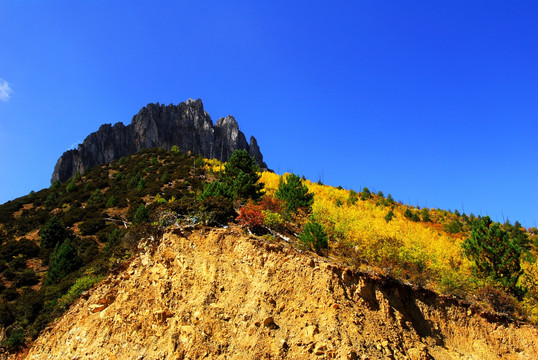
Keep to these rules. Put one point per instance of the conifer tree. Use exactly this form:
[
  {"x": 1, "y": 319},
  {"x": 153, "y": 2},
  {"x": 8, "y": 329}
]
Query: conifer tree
[
  {"x": 494, "y": 254},
  {"x": 52, "y": 233},
  {"x": 294, "y": 193},
  {"x": 63, "y": 260}
]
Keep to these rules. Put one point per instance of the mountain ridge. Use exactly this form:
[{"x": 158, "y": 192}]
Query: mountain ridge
[{"x": 186, "y": 125}]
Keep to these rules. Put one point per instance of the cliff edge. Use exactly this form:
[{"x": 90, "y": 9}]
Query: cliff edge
[{"x": 220, "y": 294}]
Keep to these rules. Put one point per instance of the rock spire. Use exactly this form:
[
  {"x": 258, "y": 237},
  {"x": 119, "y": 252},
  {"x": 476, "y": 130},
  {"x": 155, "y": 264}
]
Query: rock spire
[{"x": 186, "y": 125}]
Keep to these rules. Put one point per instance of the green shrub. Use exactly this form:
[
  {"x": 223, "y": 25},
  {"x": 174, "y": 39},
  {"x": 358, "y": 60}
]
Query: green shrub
[
  {"x": 114, "y": 236},
  {"x": 390, "y": 215},
  {"x": 10, "y": 294},
  {"x": 52, "y": 233},
  {"x": 425, "y": 215},
  {"x": 273, "y": 220},
  {"x": 15, "y": 339},
  {"x": 294, "y": 193},
  {"x": 92, "y": 226},
  {"x": 51, "y": 201},
  {"x": 28, "y": 306},
  {"x": 81, "y": 284},
  {"x": 165, "y": 178},
  {"x": 63, "y": 260},
  {"x": 240, "y": 177},
  {"x": 141, "y": 215},
  {"x": 96, "y": 198},
  {"x": 24, "y": 247},
  {"x": 18, "y": 263},
  {"x": 453, "y": 227},
  {"x": 159, "y": 200},
  {"x": 366, "y": 194},
  {"x": 314, "y": 236},
  {"x": 495, "y": 256},
  {"x": 27, "y": 277},
  {"x": 353, "y": 198},
  {"x": 216, "y": 189},
  {"x": 134, "y": 180},
  {"x": 111, "y": 202},
  {"x": 6, "y": 314},
  {"x": 216, "y": 211},
  {"x": 71, "y": 186},
  {"x": 141, "y": 185}
]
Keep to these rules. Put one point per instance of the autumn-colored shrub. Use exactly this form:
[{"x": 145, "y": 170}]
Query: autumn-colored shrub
[
  {"x": 271, "y": 203},
  {"x": 273, "y": 220},
  {"x": 251, "y": 217}
]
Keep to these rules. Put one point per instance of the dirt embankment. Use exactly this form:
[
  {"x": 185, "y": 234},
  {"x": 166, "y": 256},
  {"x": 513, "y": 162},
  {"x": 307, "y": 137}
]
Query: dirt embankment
[{"x": 218, "y": 294}]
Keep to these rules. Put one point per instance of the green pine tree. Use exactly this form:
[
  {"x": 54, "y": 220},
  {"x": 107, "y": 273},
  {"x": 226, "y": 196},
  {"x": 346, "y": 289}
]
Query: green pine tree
[
  {"x": 52, "y": 233},
  {"x": 495, "y": 255},
  {"x": 63, "y": 260},
  {"x": 294, "y": 193},
  {"x": 141, "y": 215},
  {"x": 314, "y": 236}
]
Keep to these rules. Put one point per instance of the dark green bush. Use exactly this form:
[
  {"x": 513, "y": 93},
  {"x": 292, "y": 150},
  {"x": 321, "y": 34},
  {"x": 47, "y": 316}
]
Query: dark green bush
[
  {"x": 352, "y": 199},
  {"x": 18, "y": 263},
  {"x": 216, "y": 211},
  {"x": 453, "y": 227},
  {"x": 6, "y": 314},
  {"x": 10, "y": 294},
  {"x": 390, "y": 215},
  {"x": 27, "y": 277},
  {"x": 52, "y": 233},
  {"x": 51, "y": 202},
  {"x": 314, "y": 236},
  {"x": 96, "y": 199},
  {"x": 63, "y": 260},
  {"x": 92, "y": 226},
  {"x": 141, "y": 215},
  {"x": 425, "y": 215},
  {"x": 495, "y": 256},
  {"x": 71, "y": 186},
  {"x": 295, "y": 194},
  {"x": 366, "y": 194},
  {"x": 28, "y": 306},
  {"x": 15, "y": 338},
  {"x": 24, "y": 247},
  {"x": 111, "y": 202}
]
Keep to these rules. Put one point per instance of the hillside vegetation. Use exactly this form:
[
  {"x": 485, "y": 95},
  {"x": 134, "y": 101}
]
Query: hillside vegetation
[{"x": 60, "y": 241}]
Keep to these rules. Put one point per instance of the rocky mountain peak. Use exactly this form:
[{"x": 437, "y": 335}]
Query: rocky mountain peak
[{"x": 186, "y": 125}]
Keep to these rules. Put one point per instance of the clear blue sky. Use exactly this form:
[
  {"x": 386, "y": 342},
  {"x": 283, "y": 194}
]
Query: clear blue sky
[{"x": 435, "y": 102}]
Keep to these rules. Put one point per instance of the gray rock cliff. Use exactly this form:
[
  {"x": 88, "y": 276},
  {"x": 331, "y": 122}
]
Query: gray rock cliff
[{"x": 186, "y": 125}]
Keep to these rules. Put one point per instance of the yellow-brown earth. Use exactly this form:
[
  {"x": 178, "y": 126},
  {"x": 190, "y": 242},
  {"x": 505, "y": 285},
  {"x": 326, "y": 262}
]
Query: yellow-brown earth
[{"x": 219, "y": 294}]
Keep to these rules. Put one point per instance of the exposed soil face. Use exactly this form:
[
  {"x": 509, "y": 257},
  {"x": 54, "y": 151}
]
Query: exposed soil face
[{"x": 219, "y": 294}]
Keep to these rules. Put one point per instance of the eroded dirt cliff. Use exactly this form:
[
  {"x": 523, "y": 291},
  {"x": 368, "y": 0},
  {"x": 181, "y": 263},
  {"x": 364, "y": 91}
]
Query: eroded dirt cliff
[{"x": 219, "y": 294}]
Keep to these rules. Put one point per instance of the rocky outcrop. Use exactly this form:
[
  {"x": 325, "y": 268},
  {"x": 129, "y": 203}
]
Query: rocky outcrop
[
  {"x": 186, "y": 125},
  {"x": 203, "y": 293}
]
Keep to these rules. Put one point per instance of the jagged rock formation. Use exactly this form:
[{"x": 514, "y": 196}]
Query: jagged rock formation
[
  {"x": 218, "y": 294},
  {"x": 186, "y": 125}
]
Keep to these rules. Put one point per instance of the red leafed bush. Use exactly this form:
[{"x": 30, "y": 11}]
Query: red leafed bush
[
  {"x": 251, "y": 216},
  {"x": 271, "y": 203}
]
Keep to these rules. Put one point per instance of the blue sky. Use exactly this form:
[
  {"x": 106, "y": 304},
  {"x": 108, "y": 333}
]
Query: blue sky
[{"x": 435, "y": 102}]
